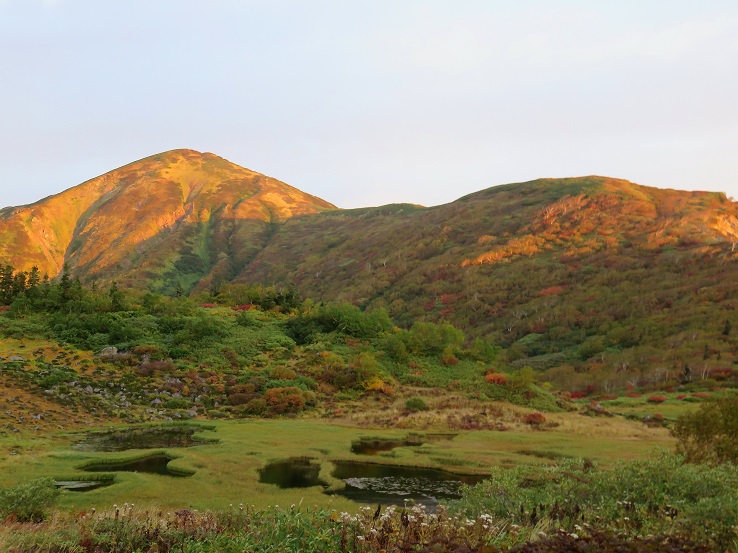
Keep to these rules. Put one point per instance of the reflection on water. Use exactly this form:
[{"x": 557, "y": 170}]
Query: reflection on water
[
  {"x": 374, "y": 446},
  {"x": 82, "y": 485},
  {"x": 371, "y": 482},
  {"x": 143, "y": 438},
  {"x": 388, "y": 484}
]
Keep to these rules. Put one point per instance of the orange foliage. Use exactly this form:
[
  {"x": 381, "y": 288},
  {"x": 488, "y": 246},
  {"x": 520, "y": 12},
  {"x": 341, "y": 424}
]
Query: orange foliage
[
  {"x": 551, "y": 290},
  {"x": 495, "y": 378}
]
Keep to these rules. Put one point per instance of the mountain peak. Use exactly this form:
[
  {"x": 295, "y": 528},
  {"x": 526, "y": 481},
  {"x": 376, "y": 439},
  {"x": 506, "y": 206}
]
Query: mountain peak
[{"x": 172, "y": 202}]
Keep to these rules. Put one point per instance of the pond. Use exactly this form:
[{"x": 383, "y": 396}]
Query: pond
[
  {"x": 393, "y": 484},
  {"x": 153, "y": 464},
  {"x": 82, "y": 485},
  {"x": 139, "y": 437},
  {"x": 298, "y": 472},
  {"x": 375, "y": 446},
  {"x": 371, "y": 482}
]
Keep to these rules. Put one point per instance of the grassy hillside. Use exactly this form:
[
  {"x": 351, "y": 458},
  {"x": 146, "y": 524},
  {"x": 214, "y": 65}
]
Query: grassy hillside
[{"x": 577, "y": 276}]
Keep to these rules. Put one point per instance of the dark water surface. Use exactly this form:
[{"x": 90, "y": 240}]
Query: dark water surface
[
  {"x": 299, "y": 472},
  {"x": 157, "y": 437},
  {"x": 374, "y": 446},
  {"x": 372, "y": 483},
  {"x": 396, "y": 485}
]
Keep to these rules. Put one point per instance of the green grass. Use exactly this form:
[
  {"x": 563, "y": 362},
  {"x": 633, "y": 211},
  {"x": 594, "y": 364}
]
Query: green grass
[
  {"x": 640, "y": 407},
  {"x": 227, "y": 472}
]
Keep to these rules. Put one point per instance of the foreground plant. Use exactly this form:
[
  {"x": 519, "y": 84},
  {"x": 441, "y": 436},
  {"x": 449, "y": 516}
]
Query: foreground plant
[
  {"x": 28, "y": 502},
  {"x": 662, "y": 496},
  {"x": 239, "y": 529}
]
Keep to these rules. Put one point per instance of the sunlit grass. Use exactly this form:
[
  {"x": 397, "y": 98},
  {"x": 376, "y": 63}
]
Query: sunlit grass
[{"x": 227, "y": 472}]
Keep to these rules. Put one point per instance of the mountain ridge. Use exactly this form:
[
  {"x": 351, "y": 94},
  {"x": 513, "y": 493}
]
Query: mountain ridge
[{"x": 565, "y": 274}]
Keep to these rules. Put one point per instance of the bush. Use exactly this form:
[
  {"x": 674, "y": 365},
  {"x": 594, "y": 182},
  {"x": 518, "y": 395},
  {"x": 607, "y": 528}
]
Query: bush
[
  {"x": 534, "y": 419},
  {"x": 178, "y": 403},
  {"x": 656, "y": 399},
  {"x": 416, "y": 404},
  {"x": 646, "y": 497},
  {"x": 284, "y": 400},
  {"x": 495, "y": 378},
  {"x": 710, "y": 434},
  {"x": 282, "y": 373},
  {"x": 28, "y": 502}
]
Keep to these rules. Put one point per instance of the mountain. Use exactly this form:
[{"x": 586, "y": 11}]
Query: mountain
[
  {"x": 565, "y": 274},
  {"x": 170, "y": 220}
]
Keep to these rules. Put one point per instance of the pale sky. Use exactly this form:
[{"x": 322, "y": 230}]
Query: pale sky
[{"x": 369, "y": 102}]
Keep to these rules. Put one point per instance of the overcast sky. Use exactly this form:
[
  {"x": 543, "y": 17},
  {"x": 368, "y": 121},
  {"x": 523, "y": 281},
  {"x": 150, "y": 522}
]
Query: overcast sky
[{"x": 368, "y": 102}]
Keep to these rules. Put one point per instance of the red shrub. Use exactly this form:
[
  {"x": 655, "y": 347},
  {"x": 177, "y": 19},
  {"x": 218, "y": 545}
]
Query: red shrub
[
  {"x": 656, "y": 399},
  {"x": 495, "y": 378},
  {"x": 701, "y": 395},
  {"x": 534, "y": 419},
  {"x": 551, "y": 290},
  {"x": 681, "y": 396},
  {"x": 284, "y": 400},
  {"x": 578, "y": 394}
]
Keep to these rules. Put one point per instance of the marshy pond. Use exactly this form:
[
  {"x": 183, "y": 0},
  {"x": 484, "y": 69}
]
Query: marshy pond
[
  {"x": 372, "y": 482},
  {"x": 376, "y": 446},
  {"x": 157, "y": 437},
  {"x": 83, "y": 485},
  {"x": 151, "y": 464}
]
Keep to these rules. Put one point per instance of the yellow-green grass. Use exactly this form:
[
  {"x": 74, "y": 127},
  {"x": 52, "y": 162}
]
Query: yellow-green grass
[
  {"x": 640, "y": 407},
  {"x": 227, "y": 472}
]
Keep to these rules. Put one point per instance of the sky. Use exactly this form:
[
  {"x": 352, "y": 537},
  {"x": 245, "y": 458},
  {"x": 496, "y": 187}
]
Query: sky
[{"x": 370, "y": 102}]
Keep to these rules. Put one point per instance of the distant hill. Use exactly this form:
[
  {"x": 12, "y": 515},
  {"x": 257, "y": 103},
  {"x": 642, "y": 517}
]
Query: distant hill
[
  {"x": 566, "y": 274},
  {"x": 174, "y": 219}
]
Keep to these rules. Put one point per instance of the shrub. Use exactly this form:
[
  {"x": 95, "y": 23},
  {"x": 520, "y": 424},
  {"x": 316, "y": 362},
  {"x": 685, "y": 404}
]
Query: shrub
[
  {"x": 28, "y": 502},
  {"x": 416, "y": 404},
  {"x": 646, "y": 497},
  {"x": 534, "y": 419},
  {"x": 256, "y": 406},
  {"x": 656, "y": 399},
  {"x": 178, "y": 403},
  {"x": 447, "y": 357},
  {"x": 282, "y": 373},
  {"x": 710, "y": 434},
  {"x": 495, "y": 378},
  {"x": 284, "y": 400}
]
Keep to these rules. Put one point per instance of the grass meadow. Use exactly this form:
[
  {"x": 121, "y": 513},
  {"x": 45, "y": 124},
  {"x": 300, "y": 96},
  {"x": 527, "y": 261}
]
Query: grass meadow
[{"x": 227, "y": 472}]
